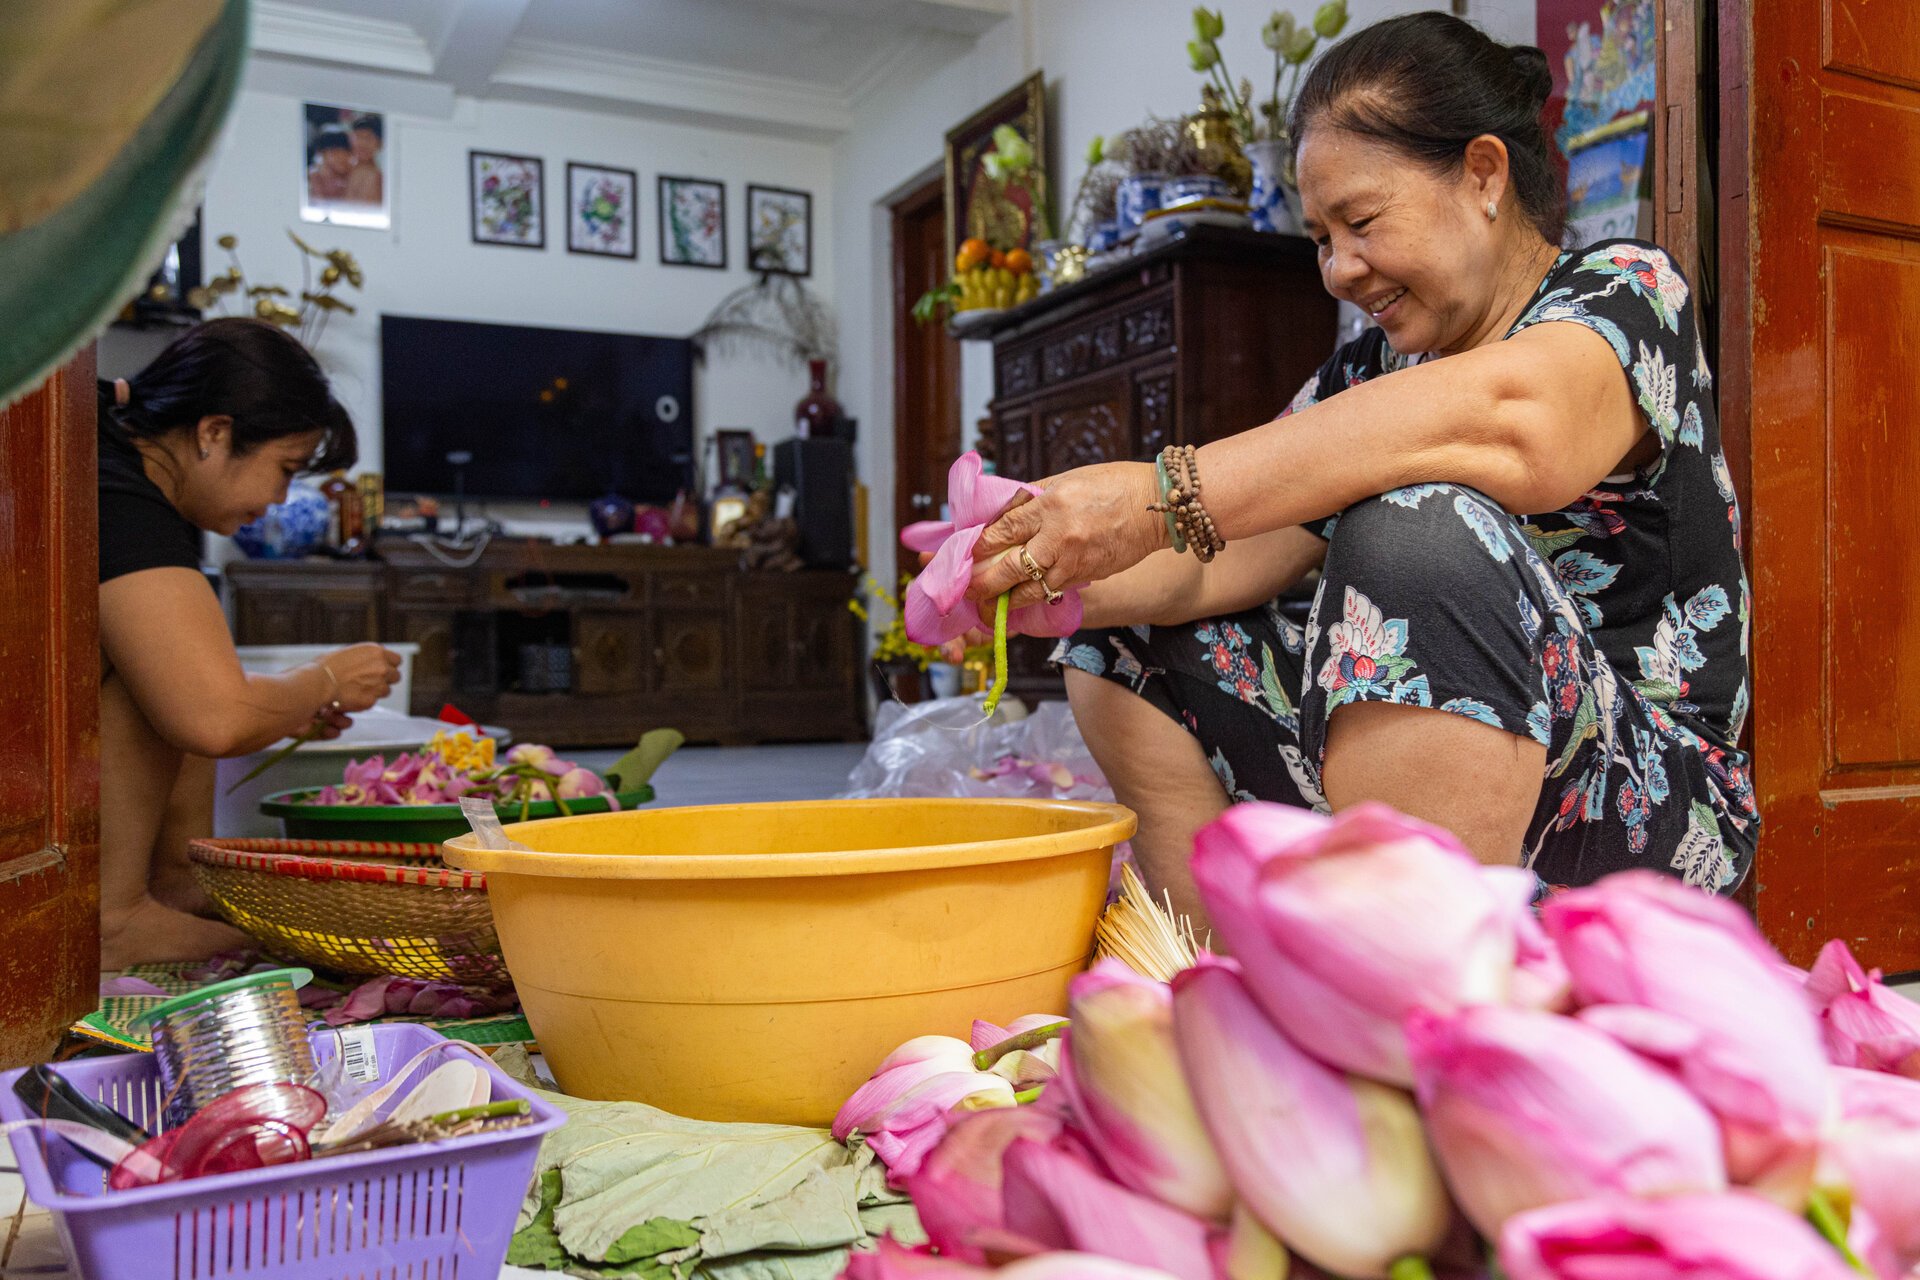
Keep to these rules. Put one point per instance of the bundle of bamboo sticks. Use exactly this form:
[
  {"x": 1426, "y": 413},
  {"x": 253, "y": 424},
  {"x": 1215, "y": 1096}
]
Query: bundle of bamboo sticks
[{"x": 1144, "y": 934}]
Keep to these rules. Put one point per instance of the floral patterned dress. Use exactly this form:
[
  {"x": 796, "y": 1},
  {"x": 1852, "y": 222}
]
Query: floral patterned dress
[{"x": 1613, "y": 631}]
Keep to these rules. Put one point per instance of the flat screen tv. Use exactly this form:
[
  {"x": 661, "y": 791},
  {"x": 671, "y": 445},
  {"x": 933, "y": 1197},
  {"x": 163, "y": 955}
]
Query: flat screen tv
[{"x": 565, "y": 414}]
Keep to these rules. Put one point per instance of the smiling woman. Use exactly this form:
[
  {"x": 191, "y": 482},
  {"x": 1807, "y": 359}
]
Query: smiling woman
[
  {"x": 204, "y": 438},
  {"x": 1531, "y": 622}
]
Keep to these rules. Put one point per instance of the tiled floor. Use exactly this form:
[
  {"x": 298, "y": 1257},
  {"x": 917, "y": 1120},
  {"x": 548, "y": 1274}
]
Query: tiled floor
[
  {"x": 732, "y": 775},
  {"x": 29, "y": 1245}
]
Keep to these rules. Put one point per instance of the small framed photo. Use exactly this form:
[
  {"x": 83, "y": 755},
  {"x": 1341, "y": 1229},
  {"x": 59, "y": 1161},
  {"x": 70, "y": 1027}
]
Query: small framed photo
[
  {"x": 779, "y": 231},
  {"x": 509, "y": 199},
  {"x": 600, "y": 210},
  {"x": 693, "y": 222},
  {"x": 736, "y": 459},
  {"x": 344, "y": 181}
]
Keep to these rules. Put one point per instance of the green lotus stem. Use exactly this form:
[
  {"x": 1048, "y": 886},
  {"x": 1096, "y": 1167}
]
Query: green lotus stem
[
  {"x": 984, "y": 1060},
  {"x": 276, "y": 757},
  {"x": 1025, "y": 1096},
  {"x": 992, "y": 703},
  {"x": 1411, "y": 1267},
  {"x": 1832, "y": 1225},
  {"x": 486, "y": 1111}
]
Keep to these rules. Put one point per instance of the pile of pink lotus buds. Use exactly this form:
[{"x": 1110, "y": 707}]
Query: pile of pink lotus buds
[{"x": 1404, "y": 1072}]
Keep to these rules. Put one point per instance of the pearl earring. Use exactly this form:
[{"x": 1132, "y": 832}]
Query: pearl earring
[
  {"x": 204, "y": 455},
  {"x": 1493, "y": 211}
]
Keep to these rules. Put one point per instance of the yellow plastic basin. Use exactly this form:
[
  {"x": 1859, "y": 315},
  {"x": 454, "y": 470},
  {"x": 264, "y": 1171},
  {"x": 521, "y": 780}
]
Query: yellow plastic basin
[{"x": 755, "y": 962}]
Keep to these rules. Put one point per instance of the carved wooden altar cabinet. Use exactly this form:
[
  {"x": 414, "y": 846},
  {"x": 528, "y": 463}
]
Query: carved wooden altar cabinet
[{"x": 1197, "y": 339}]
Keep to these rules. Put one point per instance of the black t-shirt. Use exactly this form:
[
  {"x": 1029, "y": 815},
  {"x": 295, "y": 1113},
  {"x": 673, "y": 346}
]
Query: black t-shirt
[{"x": 139, "y": 528}]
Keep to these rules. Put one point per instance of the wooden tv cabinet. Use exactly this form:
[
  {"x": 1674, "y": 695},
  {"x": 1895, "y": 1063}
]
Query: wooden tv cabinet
[{"x": 653, "y": 636}]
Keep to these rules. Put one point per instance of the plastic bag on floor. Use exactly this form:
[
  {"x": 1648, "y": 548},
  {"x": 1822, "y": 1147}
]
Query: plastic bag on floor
[{"x": 943, "y": 748}]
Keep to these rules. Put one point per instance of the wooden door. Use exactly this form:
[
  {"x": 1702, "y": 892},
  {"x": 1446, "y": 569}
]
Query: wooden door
[
  {"x": 1834, "y": 182},
  {"x": 926, "y": 372},
  {"x": 49, "y": 715}
]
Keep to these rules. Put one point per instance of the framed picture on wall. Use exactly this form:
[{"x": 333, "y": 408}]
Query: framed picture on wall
[
  {"x": 600, "y": 210},
  {"x": 343, "y": 180},
  {"x": 779, "y": 230},
  {"x": 736, "y": 459},
  {"x": 999, "y": 210},
  {"x": 693, "y": 222},
  {"x": 508, "y": 195}
]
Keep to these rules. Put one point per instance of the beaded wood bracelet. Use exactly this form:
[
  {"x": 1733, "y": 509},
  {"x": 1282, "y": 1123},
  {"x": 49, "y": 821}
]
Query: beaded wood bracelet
[{"x": 1179, "y": 471}]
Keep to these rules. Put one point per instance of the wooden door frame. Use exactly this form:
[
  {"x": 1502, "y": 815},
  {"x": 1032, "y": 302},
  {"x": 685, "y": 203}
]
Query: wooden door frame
[
  {"x": 1733, "y": 365},
  {"x": 916, "y": 201}
]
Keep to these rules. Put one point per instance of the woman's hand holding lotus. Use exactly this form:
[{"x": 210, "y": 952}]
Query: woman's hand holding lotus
[{"x": 1080, "y": 526}]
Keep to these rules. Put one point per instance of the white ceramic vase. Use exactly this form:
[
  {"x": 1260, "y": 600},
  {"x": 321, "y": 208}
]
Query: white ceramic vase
[{"x": 1272, "y": 206}]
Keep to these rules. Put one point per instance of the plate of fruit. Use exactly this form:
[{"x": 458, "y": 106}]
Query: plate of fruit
[{"x": 986, "y": 281}]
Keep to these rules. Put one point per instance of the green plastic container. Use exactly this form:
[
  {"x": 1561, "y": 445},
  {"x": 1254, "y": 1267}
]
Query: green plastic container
[{"x": 422, "y": 823}]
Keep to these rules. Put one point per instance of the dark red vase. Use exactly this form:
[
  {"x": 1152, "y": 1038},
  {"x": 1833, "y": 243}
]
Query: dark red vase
[{"x": 819, "y": 414}]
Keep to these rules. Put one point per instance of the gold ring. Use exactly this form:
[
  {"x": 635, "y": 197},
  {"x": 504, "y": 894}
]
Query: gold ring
[{"x": 1039, "y": 575}]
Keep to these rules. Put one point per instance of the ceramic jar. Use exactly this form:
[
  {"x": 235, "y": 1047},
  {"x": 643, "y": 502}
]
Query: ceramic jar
[
  {"x": 1138, "y": 196},
  {"x": 1271, "y": 205},
  {"x": 1103, "y": 236},
  {"x": 1203, "y": 186},
  {"x": 288, "y": 530}
]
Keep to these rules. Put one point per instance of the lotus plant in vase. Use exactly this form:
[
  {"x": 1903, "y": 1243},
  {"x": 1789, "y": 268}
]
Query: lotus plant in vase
[{"x": 1263, "y": 124}]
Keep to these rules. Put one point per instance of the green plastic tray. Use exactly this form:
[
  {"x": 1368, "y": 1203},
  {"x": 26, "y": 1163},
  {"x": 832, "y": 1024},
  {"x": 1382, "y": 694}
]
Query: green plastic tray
[{"x": 424, "y": 823}]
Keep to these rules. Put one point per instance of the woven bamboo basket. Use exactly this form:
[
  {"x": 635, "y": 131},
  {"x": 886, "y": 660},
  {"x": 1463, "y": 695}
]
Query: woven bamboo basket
[{"x": 356, "y": 906}]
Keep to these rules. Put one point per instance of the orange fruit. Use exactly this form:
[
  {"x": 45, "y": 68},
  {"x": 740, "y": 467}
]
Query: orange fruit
[
  {"x": 999, "y": 260},
  {"x": 1019, "y": 261}
]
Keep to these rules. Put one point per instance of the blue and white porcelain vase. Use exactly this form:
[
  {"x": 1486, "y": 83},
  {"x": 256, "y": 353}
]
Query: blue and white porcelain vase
[
  {"x": 1103, "y": 236},
  {"x": 1139, "y": 195},
  {"x": 289, "y": 529},
  {"x": 1194, "y": 188},
  {"x": 1270, "y": 207}
]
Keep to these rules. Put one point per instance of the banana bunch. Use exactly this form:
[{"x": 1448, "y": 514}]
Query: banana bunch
[{"x": 994, "y": 287}]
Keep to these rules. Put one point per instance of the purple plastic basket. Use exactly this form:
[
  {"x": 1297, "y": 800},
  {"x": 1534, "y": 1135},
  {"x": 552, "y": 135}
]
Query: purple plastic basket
[{"x": 431, "y": 1211}]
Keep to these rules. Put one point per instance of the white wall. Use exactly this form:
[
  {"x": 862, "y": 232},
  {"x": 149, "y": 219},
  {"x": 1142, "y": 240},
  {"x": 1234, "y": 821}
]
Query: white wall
[
  {"x": 427, "y": 264},
  {"x": 1109, "y": 64}
]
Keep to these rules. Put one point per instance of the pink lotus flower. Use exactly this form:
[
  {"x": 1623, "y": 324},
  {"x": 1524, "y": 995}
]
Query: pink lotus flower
[
  {"x": 1688, "y": 980},
  {"x": 985, "y": 1035},
  {"x": 937, "y": 608},
  {"x": 891, "y": 1261},
  {"x": 416, "y": 997},
  {"x": 1870, "y": 1158},
  {"x": 1059, "y": 1200},
  {"x": 959, "y": 1188},
  {"x": 1865, "y": 1024},
  {"x": 1728, "y": 1236},
  {"x": 903, "y": 1109},
  {"x": 984, "y": 1195},
  {"x": 1122, "y": 1075},
  {"x": 1025, "y": 1068},
  {"x": 535, "y": 756},
  {"x": 1540, "y": 978},
  {"x": 1334, "y": 1165},
  {"x": 581, "y": 784},
  {"x": 1345, "y": 925},
  {"x": 1527, "y": 1109}
]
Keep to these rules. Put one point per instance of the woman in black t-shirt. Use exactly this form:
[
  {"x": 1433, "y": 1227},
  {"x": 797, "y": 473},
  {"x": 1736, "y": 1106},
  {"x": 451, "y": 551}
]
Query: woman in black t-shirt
[{"x": 204, "y": 438}]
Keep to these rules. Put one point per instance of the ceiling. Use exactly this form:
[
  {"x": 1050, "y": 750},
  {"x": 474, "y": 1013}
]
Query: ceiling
[{"x": 797, "y": 66}]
